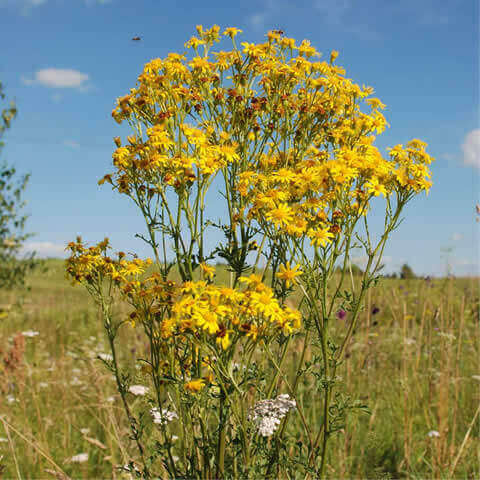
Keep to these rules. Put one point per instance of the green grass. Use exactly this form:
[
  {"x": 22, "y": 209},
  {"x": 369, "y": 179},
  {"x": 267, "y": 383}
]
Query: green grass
[{"x": 413, "y": 363}]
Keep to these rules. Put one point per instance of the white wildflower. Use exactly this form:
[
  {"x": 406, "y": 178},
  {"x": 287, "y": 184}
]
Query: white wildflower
[
  {"x": 80, "y": 458},
  {"x": 138, "y": 389},
  {"x": 267, "y": 414},
  {"x": 106, "y": 357},
  {"x": 448, "y": 336},
  {"x": 11, "y": 399},
  {"x": 165, "y": 417},
  {"x": 84, "y": 431},
  {"x": 110, "y": 399},
  {"x": 75, "y": 381},
  {"x": 433, "y": 433},
  {"x": 43, "y": 385},
  {"x": 131, "y": 467},
  {"x": 30, "y": 333}
]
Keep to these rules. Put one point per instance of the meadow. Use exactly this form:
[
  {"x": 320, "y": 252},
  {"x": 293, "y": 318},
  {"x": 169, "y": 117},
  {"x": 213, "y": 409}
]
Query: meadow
[{"x": 413, "y": 362}]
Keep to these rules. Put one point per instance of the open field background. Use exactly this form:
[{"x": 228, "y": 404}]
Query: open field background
[{"x": 414, "y": 361}]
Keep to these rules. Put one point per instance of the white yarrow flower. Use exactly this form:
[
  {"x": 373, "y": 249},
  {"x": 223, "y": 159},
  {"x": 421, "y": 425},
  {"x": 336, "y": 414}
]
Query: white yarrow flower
[
  {"x": 138, "y": 389},
  {"x": 80, "y": 458},
  {"x": 106, "y": 357},
  {"x": 30, "y": 333},
  {"x": 433, "y": 433},
  {"x": 163, "y": 418},
  {"x": 267, "y": 414}
]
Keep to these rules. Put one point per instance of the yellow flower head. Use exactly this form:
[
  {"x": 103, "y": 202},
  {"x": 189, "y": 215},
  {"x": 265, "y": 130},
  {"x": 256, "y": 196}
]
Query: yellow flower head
[
  {"x": 194, "y": 386},
  {"x": 232, "y": 32},
  {"x": 289, "y": 274},
  {"x": 207, "y": 270}
]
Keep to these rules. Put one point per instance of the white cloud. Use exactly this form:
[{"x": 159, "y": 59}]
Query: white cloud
[
  {"x": 471, "y": 148},
  {"x": 332, "y": 13},
  {"x": 26, "y": 6},
  {"x": 58, "y": 78},
  {"x": 45, "y": 249},
  {"x": 71, "y": 144},
  {"x": 448, "y": 156},
  {"x": 257, "y": 20}
]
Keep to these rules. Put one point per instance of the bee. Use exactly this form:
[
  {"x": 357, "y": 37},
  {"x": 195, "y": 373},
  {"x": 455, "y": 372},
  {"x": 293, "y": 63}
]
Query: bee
[
  {"x": 136, "y": 39},
  {"x": 279, "y": 32}
]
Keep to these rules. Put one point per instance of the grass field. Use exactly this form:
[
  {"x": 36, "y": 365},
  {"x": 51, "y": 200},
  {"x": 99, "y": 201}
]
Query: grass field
[{"x": 414, "y": 360}]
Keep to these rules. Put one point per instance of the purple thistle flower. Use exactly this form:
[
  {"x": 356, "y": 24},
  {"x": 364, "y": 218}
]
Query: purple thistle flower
[
  {"x": 341, "y": 314},
  {"x": 375, "y": 310}
]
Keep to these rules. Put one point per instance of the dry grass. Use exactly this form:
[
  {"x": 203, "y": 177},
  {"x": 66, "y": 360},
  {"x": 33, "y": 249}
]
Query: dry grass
[{"x": 415, "y": 364}]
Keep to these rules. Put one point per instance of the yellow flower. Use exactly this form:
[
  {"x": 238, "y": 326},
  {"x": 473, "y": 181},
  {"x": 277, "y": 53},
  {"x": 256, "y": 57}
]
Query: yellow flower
[
  {"x": 207, "y": 320},
  {"x": 252, "y": 281},
  {"x": 265, "y": 303},
  {"x": 333, "y": 56},
  {"x": 194, "y": 386},
  {"x": 282, "y": 215},
  {"x": 223, "y": 337},
  {"x": 232, "y": 32},
  {"x": 373, "y": 186},
  {"x": 320, "y": 237},
  {"x": 200, "y": 63},
  {"x": 207, "y": 270},
  {"x": 289, "y": 274}
]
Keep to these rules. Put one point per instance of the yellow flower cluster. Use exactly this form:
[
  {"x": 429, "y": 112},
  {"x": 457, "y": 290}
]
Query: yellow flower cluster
[
  {"x": 163, "y": 160},
  {"x": 311, "y": 196},
  {"x": 220, "y": 312},
  {"x": 302, "y": 148},
  {"x": 91, "y": 264}
]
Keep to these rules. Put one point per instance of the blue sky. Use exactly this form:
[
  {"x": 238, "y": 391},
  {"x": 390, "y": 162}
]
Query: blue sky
[{"x": 65, "y": 62}]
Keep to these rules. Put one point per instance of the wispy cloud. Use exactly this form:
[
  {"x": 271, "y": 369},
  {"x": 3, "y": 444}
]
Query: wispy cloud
[
  {"x": 58, "y": 78},
  {"x": 25, "y": 7},
  {"x": 471, "y": 148},
  {"x": 267, "y": 14},
  {"x": 333, "y": 13},
  {"x": 257, "y": 20},
  {"x": 45, "y": 249}
]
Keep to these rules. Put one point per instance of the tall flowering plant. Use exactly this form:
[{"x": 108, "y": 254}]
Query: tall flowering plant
[{"x": 283, "y": 134}]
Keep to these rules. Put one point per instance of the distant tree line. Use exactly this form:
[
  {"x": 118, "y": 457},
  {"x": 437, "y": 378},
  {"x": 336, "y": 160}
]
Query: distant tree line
[{"x": 406, "y": 272}]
